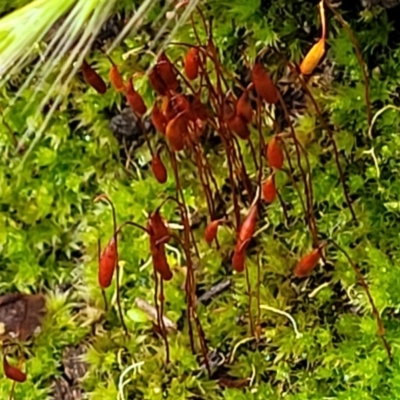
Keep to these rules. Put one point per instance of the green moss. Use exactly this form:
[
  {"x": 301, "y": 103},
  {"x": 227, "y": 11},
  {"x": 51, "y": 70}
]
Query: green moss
[{"x": 49, "y": 228}]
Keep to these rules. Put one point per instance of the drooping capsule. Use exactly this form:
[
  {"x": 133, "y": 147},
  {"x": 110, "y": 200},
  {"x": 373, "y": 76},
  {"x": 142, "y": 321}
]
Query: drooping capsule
[
  {"x": 160, "y": 260},
  {"x": 307, "y": 263},
  {"x": 263, "y": 84},
  {"x": 211, "y": 231},
  {"x": 158, "y": 230},
  {"x": 244, "y": 108},
  {"x": 93, "y": 78},
  {"x": 176, "y": 131},
  {"x": 167, "y": 73},
  {"x": 238, "y": 125},
  {"x": 12, "y": 372},
  {"x": 238, "y": 259},
  {"x": 274, "y": 153},
  {"x": 192, "y": 63},
  {"x": 158, "y": 119},
  {"x": 168, "y": 110},
  {"x": 249, "y": 225},
  {"x": 317, "y": 51},
  {"x": 180, "y": 103},
  {"x": 313, "y": 57},
  {"x": 269, "y": 189},
  {"x": 135, "y": 100},
  {"x": 108, "y": 263},
  {"x": 116, "y": 79},
  {"x": 158, "y": 168},
  {"x": 156, "y": 82}
]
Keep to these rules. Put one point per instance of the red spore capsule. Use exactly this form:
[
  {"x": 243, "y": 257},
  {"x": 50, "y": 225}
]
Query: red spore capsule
[
  {"x": 211, "y": 231},
  {"x": 12, "y": 372},
  {"x": 116, "y": 79},
  {"x": 134, "y": 99},
  {"x": 263, "y": 84},
  {"x": 93, "y": 78},
  {"x": 269, "y": 189},
  {"x": 192, "y": 63},
  {"x": 274, "y": 154},
  {"x": 108, "y": 262},
  {"x": 158, "y": 168},
  {"x": 307, "y": 263}
]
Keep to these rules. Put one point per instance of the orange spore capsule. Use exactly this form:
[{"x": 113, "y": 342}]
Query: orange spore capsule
[
  {"x": 313, "y": 57},
  {"x": 238, "y": 258},
  {"x": 93, "y": 78},
  {"x": 317, "y": 51},
  {"x": 274, "y": 153},
  {"x": 249, "y": 225},
  {"x": 192, "y": 63},
  {"x": 168, "y": 109},
  {"x": 156, "y": 82},
  {"x": 307, "y": 263},
  {"x": 135, "y": 100},
  {"x": 12, "y": 372},
  {"x": 158, "y": 119},
  {"x": 263, "y": 84},
  {"x": 167, "y": 73},
  {"x": 269, "y": 189},
  {"x": 158, "y": 168},
  {"x": 211, "y": 231},
  {"x": 244, "y": 108},
  {"x": 157, "y": 228},
  {"x": 108, "y": 263},
  {"x": 180, "y": 103},
  {"x": 238, "y": 125},
  {"x": 116, "y": 79},
  {"x": 160, "y": 260},
  {"x": 176, "y": 132}
]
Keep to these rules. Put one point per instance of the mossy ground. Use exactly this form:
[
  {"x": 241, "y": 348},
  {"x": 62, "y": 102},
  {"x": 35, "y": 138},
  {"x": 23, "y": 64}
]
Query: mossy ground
[{"x": 49, "y": 228}]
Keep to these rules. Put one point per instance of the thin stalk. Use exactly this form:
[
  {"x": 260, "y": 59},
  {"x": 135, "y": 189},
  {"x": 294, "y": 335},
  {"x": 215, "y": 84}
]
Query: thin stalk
[
  {"x": 12, "y": 391},
  {"x": 114, "y": 216},
  {"x": 363, "y": 283},
  {"x": 190, "y": 284},
  {"x": 103, "y": 292},
  {"x": 162, "y": 326},
  {"x": 360, "y": 59},
  {"x": 258, "y": 326},
  {"x": 249, "y": 293},
  {"x": 334, "y": 145},
  {"x": 189, "y": 274},
  {"x": 310, "y": 214}
]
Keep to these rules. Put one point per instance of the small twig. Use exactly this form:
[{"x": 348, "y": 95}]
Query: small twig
[
  {"x": 122, "y": 383},
  {"x": 237, "y": 345},
  {"x": 371, "y": 127},
  {"x": 287, "y": 315},
  {"x": 250, "y": 296},
  {"x": 318, "y": 289},
  {"x": 377, "y": 114},
  {"x": 116, "y": 230}
]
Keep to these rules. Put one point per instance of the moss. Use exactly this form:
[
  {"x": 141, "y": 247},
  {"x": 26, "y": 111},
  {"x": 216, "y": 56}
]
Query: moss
[{"x": 49, "y": 227}]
